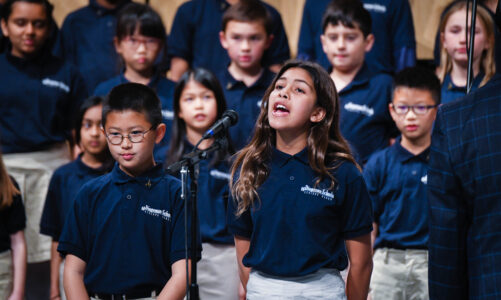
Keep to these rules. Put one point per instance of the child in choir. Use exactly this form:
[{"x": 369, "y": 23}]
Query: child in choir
[
  {"x": 39, "y": 95},
  {"x": 246, "y": 34},
  {"x": 193, "y": 39},
  {"x": 12, "y": 243},
  {"x": 94, "y": 161},
  {"x": 199, "y": 102},
  {"x": 124, "y": 237},
  {"x": 139, "y": 39},
  {"x": 301, "y": 210},
  {"x": 396, "y": 179},
  {"x": 453, "y": 69}
]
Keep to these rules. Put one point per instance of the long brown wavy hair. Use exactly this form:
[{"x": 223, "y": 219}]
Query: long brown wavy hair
[
  {"x": 487, "y": 63},
  {"x": 327, "y": 148}
]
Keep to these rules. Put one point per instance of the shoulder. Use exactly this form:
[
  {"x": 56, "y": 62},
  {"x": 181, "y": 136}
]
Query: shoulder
[
  {"x": 105, "y": 87},
  {"x": 381, "y": 79},
  {"x": 346, "y": 173},
  {"x": 65, "y": 170},
  {"x": 78, "y": 15},
  {"x": 95, "y": 185}
]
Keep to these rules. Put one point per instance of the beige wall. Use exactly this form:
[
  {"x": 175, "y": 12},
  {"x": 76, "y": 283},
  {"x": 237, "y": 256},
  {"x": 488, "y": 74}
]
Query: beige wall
[{"x": 426, "y": 14}]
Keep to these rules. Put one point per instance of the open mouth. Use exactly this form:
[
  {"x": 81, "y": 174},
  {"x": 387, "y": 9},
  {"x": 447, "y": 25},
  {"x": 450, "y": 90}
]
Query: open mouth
[{"x": 280, "y": 109}]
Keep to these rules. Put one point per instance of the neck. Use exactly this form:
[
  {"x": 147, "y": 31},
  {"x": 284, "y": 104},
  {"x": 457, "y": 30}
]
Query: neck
[
  {"x": 231, "y": 2},
  {"x": 342, "y": 78},
  {"x": 140, "y": 170},
  {"x": 291, "y": 143},
  {"x": 194, "y": 136},
  {"x": 92, "y": 161},
  {"x": 247, "y": 76},
  {"x": 459, "y": 72},
  {"x": 138, "y": 77},
  {"x": 416, "y": 146},
  {"x": 107, "y": 5}
]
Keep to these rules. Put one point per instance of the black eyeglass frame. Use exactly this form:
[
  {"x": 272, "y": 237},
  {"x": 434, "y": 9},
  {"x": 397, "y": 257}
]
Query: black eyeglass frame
[
  {"x": 128, "y": 136},
  {"x": 413, "y": 107}
]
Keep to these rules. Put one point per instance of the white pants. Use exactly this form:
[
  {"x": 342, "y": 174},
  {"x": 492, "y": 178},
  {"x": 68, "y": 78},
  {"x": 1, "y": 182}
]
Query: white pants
[
  {"x": 325, "y": 284},
  {"x": 217, "y": 272},
  {"x": 5, "y": 274},
  {"x": 399, "y": 275},
  {"x": 33, "y": 171}
]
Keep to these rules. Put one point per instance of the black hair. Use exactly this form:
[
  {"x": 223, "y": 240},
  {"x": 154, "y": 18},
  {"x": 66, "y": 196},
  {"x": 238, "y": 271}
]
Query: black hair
[
  {"x": 350, "y": 13},
  {"x": 208, "y": 80},
  {"x": 7, "y": 8},
  {"x": 136, "y": 97},
  {"x": 142, "y": 17},
  {"x": 419, "y": 78},
  {"x": 248, "y": 11}
]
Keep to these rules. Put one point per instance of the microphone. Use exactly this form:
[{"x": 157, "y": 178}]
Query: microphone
[{"x": 230, "y": 118}]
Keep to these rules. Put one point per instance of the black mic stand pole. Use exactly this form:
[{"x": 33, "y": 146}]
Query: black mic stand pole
[
  {"x": 187, "y": 166},
  {"x": 469, "y": 79}
]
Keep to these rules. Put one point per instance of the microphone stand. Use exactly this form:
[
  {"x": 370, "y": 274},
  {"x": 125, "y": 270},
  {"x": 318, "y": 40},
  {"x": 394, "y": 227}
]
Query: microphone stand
[
  {"x": 469, "y": 78},
  {"x": 188, "y": 166}
]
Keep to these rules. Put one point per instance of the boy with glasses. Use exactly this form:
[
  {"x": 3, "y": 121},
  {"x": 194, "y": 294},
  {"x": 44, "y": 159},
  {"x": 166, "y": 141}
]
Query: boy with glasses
[
  {"x": 396, "y": 178},
  {"x": 124, "y": 237}
]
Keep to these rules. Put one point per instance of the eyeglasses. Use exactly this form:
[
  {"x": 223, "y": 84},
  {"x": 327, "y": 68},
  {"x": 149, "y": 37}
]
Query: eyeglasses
[
  {"x": 419, "y": 109},
  {"x": 135, "y": 136},
  {"x": 149, "y": 43}
]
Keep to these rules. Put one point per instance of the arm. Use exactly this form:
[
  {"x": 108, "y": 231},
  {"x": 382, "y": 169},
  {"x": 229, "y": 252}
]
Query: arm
[
  {"x": 73, "y": 278},
  {"x": 360, "y": 255},
  {"x": 402, "y": 32},
  {"x": 178, "y": 66},
  {"x": 55, "y": 263},
  {"x": 242, "y": 247},
  {"x": 374, "y": 234},
  {"x": 175, "y": 288},
  {"x": 18, "y": 246}
]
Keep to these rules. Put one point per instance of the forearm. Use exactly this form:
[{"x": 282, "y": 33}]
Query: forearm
[
  {"x": 175, "y": 288},
  {"x": 177, "y": 68},
  {"x": 73, "y": 279},
  {"x": 357, "y": 283},
  {"x": 55, "y": 263},
  {"x": 19, "y": 265}
]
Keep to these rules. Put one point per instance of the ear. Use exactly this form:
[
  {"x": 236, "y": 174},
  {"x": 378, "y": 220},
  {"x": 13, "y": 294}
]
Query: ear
[
  {"x": 5, "y": 30},
  {"x": 393, "y": 114},
  {"x": 317, "y": 115},
  {"x": 222, "y": 40},
  {"x": 160, "y": 132},
  {"x": 117, "y": 44},
  {"x": 323, "y": 41},
  {"x": 269, "y": 40},
  {"x": 369, "y": 42}
]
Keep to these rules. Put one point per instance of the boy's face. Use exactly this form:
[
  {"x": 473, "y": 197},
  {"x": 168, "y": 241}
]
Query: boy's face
[
  {"x": 139, "y": 52},
  {"x": 135, "y": 157},
  {"x": 345, "y": 47},
  {"x": 412, "y": 125},
  {"x": 27, "y": 28},
  {"x": 245, "y": 43}
]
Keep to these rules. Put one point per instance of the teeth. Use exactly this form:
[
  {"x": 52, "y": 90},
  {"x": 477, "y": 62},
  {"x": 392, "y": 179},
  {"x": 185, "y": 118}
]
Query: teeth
[{"x": 280, "y": 106}]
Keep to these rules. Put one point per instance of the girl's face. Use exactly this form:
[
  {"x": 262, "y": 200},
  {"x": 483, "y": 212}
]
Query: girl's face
[
  {"x": 197, "y": 107},
  {"x": 92, "y": 139},
  {"x": 454, "y": 38},
  {"x": 27, "y": 28},
  {"x": 139, "y": 52},
  {"x": 292, "y": 103}
]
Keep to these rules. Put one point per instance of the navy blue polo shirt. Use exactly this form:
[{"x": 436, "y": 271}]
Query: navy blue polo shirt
[
  {"x": 451, "y": 92},
  {"x": 37, "y": 101},
  {"x": 87, "y": 42},
  {"x": 128, "y": 230},
  {"x": 396, "y": 180},
  {"x": 212, "y": 197},
  {"x": 195, "y": 36},
  {"x": 246, "y": 101},
  {"x": 296, "y": 228},
  {"x": 64, "y": 185},
  {"x": 365, "y": 119},
  {"x": 165, "y": 92},
  {"x": 12, "y": 220},
  {"x": 395, "y": 45}
]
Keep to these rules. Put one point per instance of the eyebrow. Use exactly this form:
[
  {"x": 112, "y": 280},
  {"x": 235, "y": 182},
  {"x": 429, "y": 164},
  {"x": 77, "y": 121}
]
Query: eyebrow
[
  {"x": 127, "y": 129},
  {"x": 296, "y": 80}
]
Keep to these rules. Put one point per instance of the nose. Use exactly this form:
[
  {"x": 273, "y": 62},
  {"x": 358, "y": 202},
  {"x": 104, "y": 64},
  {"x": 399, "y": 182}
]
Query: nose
[
  {"x": 245, "y": 44},
  {"x": 141, "y": 47},
  {"x": 95, "y": 130},
  {"x": 341, "y": 42},
  {"x": 30, "y": 29},
  {"x": 284, "y": 93},
  {"x": 410, "y": 114},
  {"x": 126, "y": 143}
]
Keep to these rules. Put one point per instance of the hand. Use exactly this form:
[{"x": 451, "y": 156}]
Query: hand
[{"x": 241, "y": 292}]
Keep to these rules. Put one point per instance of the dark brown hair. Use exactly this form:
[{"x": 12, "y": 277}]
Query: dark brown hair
[
  {"x": 248, "y": 11},
  {"x": 327, "y": 148}
]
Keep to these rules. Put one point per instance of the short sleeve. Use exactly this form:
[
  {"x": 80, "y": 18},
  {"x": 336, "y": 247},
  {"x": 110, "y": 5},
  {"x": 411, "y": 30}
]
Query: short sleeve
[
  {"x": 73, "y": 239},
  {"x": 50, "y": 221},
  {"x": 357, "y": 208},
  {"x": 373, "y": 182},
  {"x": 238, "y": 225},
  {"x": 16, "y": 216},
  {"x": 306, "y": 44},
  {"x": 181, "y": 34},
  {"x": 279, "y": 51},
  {"x": 402, "y": 34}
]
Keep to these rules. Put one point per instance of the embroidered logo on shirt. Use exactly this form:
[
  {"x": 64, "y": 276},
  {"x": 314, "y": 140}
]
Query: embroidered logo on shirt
[
  {"x": 56, "y": 84},
  {"x": 219, "y": 175},
  {"x": 156, "y": 212},
  {"x": 325, "y": 194},
  {"x": 363, "y": 109},
  {"x": 424, "y": 179},
  {"x": 167, "y": 114},
  {"x": 259, "y": 103},
  {"x": 375, "y": 7}
]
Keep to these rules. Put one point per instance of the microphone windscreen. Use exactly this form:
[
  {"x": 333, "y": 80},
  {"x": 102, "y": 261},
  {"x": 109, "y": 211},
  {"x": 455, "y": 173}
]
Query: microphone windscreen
[{"x": 233, "y": 115}]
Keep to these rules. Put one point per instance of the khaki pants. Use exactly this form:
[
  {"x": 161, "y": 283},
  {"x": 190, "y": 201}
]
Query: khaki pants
[
  {"x": 5, "y": 274},
  {"x": 399, "y": 274},
  {"x": 32, "y": 172}
]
